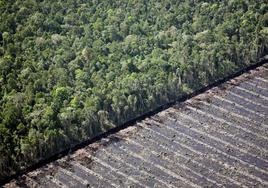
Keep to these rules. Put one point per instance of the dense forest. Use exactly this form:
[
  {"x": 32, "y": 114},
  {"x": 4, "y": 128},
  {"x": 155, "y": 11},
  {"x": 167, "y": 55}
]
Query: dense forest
[{"x": 71, "y": 69}]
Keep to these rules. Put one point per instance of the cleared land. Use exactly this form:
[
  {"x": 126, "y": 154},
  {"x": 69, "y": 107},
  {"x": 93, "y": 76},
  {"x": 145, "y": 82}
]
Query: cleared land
[{"x": 218, "y": 138}]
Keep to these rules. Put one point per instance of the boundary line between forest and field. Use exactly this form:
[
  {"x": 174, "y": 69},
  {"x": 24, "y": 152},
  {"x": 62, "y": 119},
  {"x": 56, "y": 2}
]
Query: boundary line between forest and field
[{"x": 131, "y": 122}]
